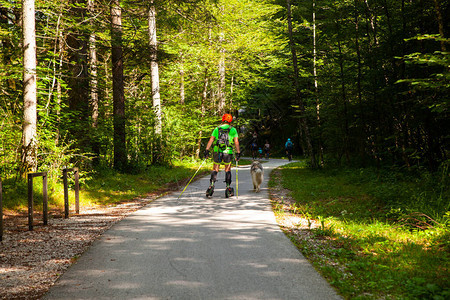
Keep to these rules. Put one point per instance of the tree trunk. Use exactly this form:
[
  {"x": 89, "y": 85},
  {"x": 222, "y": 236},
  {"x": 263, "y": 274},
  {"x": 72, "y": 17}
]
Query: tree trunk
[
  {"x": 182, "y": 92},
  {"x": 397, "y": 108},
  {"x": 154, "y": 67},
  {"x": 203, "y": 110},
  {"x": 344, "y": 95},
  {"x": 375, "y": 131},
  {"x": 316, "y": 85},
  {"x": 54, "y": 63},
  {"x": 93, "y": 85},
  {"x": 78, "y": 81},
  {"x": 120, "y": 154},
  {"x": 402, "y": 70},
  {"x": 231, "y": 92},
  {"x": 93, "y": 82},
  {"x": 362, "y": 117},
  {"x": 29, "y": 142},
  {"x": 61, "y": 48},
  {"x": 303, "y": 122},
  {"x": 221, "y": 91},
  {"x": 441, "y": 25}
]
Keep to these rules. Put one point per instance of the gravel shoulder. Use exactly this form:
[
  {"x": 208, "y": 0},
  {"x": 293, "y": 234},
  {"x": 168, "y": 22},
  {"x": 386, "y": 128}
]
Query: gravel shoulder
[{"x": 31, "y": 261}]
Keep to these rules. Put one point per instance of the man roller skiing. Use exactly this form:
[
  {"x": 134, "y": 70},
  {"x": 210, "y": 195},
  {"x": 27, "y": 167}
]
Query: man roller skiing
[{"x": 222, "y": 139}]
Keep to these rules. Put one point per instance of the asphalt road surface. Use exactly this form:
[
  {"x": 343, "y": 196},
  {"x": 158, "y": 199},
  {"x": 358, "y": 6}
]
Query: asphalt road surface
[{"x": 197, "y": 248}]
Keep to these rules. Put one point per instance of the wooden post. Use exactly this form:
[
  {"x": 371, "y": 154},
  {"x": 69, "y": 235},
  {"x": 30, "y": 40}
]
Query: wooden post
[
  {"x": 30, "y": 202},
  {"x": 45, "y": 198},
  {"x": 30, "y": 198},
  {"x": 66, "y": 191},
  {"x": 77, "y": 191},
  {"x": 66, "y": 194}
]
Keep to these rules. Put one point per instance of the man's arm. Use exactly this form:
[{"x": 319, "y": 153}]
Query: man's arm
[
  {"x": 210, "y": 142},
  {"x": 236, "y": 143}
]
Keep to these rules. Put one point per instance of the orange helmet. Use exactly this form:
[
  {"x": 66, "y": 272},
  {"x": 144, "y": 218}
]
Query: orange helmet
[{"x": 227, "y": 118}]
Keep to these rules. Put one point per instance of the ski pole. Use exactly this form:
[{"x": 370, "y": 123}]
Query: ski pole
[
  {"x": 237, "y": 181},
  {"x": 192, "y": 178}
]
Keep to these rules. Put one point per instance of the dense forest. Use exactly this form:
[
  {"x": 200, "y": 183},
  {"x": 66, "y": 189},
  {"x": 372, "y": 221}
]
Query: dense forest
[{"x": 127, "y": 84}]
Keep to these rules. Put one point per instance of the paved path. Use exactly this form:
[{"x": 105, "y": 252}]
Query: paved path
[{"x": 196, "y": 248}]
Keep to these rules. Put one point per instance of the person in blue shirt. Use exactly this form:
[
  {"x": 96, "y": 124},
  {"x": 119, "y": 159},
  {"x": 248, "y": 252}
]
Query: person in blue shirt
[{"x": 289, "y": 146}]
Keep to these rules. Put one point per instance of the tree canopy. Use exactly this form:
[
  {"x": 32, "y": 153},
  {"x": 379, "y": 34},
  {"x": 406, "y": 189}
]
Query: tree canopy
[{"x": 371, "y": 87}]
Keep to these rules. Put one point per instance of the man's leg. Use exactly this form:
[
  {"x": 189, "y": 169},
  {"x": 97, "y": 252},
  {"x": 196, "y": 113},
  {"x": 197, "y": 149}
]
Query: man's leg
[
  {"x": 229, "y": 191},
  {"x": 214, "y": 173},
  {"x": 217, "y": 160},
  {"x": 228, "y": 174},
  {"x": 210, "y": 190}
]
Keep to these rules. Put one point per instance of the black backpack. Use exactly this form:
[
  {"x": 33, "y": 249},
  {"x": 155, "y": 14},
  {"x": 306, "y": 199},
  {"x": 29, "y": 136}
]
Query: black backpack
[
  {"x": 289, "y": 145},
  {"x": 223, "y": 140}
]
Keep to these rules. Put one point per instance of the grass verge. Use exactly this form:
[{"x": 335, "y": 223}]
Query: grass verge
[
  {"x": 364, "y": 245},
  {"x": 105, "y": 187}
]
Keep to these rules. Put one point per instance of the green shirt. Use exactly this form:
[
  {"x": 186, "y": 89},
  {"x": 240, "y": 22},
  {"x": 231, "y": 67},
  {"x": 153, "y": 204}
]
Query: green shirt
[{"x": 231, "y": 135}]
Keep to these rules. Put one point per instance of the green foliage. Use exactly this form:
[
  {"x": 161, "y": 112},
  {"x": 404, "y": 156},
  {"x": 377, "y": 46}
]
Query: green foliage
[
  {"x": 381, "y": 85},
  {"x": 15, "y": 193},
  {"x": 362, "y": 253},
  {"x": 377, "y": 101},
  {"x": 395, "y": 193},
  {"x": 436, "y": 80},
  {"x": 9, "y": 143}
]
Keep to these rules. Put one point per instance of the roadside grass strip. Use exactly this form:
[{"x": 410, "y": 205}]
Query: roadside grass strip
[
  {"x": 356, "y": 244},
  {"x": 105, "y": 187}
]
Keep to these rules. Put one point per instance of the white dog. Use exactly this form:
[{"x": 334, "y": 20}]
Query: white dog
[{"x": 257, "y": 172}]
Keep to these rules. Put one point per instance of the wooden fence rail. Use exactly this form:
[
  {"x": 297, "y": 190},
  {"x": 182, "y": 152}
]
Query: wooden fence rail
[
  {"x": 45, "y": 197},
  {"x": 30, "y": 197}
]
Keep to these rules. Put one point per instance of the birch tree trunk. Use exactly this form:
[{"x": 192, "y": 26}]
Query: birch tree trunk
[
  {"x": 51, "y": 87},
  {"x": 29, "y": 142},
  {"x": 231, "y": 90},
  {"x": 154, "y": 67},
  {"x": 61, "y": 48},
  {"x": 303, "y": 123},
  {"x": 93, "y": 82},
  {"x": 203, "y": 110},
  {"x": 221, "y": 91},
  {"x": 120, "y": 154},
  {"x": 182, "y": 92}
]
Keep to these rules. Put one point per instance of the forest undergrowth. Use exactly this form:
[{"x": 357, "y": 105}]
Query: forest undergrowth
[{"x": 383, "y": 234}]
